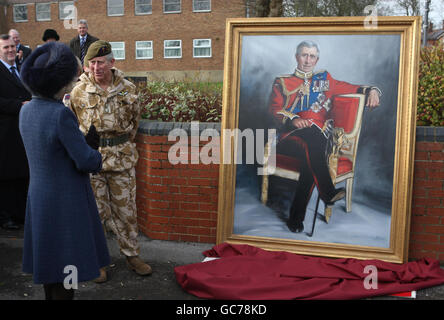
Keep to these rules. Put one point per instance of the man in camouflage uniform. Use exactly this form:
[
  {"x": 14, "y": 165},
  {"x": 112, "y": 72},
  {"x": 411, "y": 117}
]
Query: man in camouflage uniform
[{"x": 103, "y": 98}]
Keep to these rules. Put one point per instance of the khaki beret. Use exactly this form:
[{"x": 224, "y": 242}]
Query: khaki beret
[{"x": 98, "y": 48}]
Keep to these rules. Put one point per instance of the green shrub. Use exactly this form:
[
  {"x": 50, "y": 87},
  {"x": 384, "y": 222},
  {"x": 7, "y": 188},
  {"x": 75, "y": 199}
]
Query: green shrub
[
  {"x": 431, "y": 87},
  {"x": 181, "y": 101}
]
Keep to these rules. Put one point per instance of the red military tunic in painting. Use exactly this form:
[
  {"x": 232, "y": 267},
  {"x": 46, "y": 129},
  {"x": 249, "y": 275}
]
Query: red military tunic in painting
[{"x": 307, "y": 96}]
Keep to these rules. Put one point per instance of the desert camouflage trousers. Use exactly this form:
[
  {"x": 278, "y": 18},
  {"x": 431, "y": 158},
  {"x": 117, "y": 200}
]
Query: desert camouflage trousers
[{"x": 115, "y": 193}]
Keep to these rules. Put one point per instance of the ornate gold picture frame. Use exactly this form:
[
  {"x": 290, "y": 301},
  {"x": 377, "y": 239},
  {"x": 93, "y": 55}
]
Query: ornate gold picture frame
[{"x": 256, "y": 199}]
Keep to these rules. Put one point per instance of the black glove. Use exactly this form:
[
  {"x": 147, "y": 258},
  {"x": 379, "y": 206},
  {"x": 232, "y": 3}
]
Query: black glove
[{"x": 92, "y": 137}]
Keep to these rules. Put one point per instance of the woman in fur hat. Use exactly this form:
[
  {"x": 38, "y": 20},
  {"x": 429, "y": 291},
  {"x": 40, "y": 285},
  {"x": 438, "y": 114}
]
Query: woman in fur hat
[
  {"x": 64, "y": 241},
  {"x": 50, "y": 35}
]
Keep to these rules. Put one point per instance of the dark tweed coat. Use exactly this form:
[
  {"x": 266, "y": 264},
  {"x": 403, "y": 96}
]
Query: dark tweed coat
[
  {"x": 74, "y": 44},
  {"x": 62, "y": 222}
]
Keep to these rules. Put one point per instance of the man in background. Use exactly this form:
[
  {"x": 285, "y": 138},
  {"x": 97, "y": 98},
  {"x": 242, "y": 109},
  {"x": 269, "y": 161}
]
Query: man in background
[
  {"x": 14, "y": 172},
  {"x": 22, "y": 51},
  {"x": 80, "y": 44}
]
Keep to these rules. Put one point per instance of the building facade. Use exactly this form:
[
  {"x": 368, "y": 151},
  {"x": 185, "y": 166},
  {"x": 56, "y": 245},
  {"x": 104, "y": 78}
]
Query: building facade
[{"x": 158, "y": 39}]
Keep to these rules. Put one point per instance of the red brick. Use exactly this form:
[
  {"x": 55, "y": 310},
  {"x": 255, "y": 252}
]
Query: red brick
[
  {"x": 429, "y": 146},
  {"x": 203, "y": 182},
  {"x": 425, "y": 220},
  {"x": 161, "y": 212},
  {"x": 429, "y": 184},
  {"x": 159, "y": 204},
  {"x": 433, "y": 247},
  {"x": 436, "y": 211},
  {"x": 436, "y": 194},
  {"x": 437, "y": 156},
  {"x": 189, "y": 206},
  {"x": 435, "y": 229},
  {"x": 208, "y": 206},
  {"x": 422, "y": 155},
  {"x": 426, "y": 202},
  {"x": 160, "y": 220},
  {"x": 199, "y": 231},
  {"x": 422, "y": 237}
]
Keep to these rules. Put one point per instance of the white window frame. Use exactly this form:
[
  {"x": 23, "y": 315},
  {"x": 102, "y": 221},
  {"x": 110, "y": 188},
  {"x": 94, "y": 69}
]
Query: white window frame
[
  {"x": 196, "y": 47},
  {"x": 37, "y": 11},
  {"x": 16, "y": 6},
  {"x": 180, "y": 6},
  {"x": 61, "y": 10},
  {"x": 142, "y": 13},
  {"x": 166, "y": 48},
  {"x": 115, "y": 14},
  {"x": 199, "y": 10},
  {"x": 145, "y": 48},
  {"x": 115, "y": 50}
]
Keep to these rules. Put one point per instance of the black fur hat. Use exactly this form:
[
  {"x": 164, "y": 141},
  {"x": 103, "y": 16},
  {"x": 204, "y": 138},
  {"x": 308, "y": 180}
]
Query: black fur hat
[
  {"x": 50, "y": 34},
  {"x": 48, "y": 69}
]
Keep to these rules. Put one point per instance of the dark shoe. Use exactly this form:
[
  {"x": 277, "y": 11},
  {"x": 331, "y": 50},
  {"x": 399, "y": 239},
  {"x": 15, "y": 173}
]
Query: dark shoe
[
  {"x": 340, "y": 193},
  {"x": 296, "y": 227},
  {"x": 10, "y": 225}
]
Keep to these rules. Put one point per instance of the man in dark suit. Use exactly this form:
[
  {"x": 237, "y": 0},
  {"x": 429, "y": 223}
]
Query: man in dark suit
[
  {"x": 14, "y": 172},
  {"x": 22, "y": 51},
  {"x": 80, "y": 44}
]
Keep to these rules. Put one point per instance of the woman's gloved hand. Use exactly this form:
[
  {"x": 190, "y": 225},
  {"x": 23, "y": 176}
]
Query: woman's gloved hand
[{"x": 92, "y": 137}]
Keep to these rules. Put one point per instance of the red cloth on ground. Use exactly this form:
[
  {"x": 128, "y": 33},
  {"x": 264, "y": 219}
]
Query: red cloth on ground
[{"x": 249, "y": 273}]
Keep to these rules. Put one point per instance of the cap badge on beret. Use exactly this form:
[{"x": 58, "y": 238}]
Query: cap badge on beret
[{"x": 98, "y": 48}]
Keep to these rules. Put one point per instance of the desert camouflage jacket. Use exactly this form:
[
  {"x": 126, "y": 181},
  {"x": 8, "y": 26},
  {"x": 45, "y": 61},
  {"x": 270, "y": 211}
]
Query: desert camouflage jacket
[{"x": 114, "y": 112}]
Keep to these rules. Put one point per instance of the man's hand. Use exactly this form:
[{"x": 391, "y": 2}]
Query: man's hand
[
  {"x": 373, "y": 99},
  {"x": 20, "y": 55},
  {"x": 301, "y": 123}
]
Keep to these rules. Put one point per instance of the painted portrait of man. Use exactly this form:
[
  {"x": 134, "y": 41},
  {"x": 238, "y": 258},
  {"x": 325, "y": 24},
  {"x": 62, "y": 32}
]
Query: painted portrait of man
[{"x": 288, "y": 82}]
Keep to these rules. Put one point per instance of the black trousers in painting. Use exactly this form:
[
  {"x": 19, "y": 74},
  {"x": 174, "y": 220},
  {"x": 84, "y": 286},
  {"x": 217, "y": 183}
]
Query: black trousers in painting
[{"x": 308, "y": 145}]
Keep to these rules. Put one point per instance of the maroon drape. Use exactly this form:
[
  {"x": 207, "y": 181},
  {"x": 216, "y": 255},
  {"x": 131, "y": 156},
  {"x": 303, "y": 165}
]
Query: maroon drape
[{"x": 249, "y": 273}]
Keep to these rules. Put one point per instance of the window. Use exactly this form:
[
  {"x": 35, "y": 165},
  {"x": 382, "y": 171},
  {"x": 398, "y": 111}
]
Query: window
[
  {"x": 67, "y": 10},
  {"x": 43, "y": 11},
  {"x": 143, "y": 7},
  {"x": 201, "y": 5},
  {"x": 144, "y": 49},
  {"x": 171, "y": 6},
  {"x": 118, "y": 49},
  {"x": 115, "y": 7},
  {"x": 20, "y": 13},
  {"x": 172, "y": 49},
  {"x": 202, "y": 48}
]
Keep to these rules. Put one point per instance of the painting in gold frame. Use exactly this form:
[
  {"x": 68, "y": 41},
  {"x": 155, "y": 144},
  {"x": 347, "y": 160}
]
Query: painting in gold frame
[{"x": 260, "y": 52}]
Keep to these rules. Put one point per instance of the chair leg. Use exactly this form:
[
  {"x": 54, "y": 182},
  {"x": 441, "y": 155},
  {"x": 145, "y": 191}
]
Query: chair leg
[
  {"x": 264, "y": 195},
  {"x": 348, "y": 194},
  {"x": 315, "y": 217}
]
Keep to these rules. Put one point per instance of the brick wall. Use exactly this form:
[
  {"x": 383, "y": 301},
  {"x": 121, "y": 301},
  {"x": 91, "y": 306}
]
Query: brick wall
[
  {"x": 427, "y": 224},
  {"x": 156, "y": 27},
  {"x": 175, "y": 202},
  {"x": 179, "y": 202}
]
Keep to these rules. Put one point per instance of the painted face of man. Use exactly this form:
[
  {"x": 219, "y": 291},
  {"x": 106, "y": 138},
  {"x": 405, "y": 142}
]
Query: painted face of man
[
  {"x": 7, "y": 51},
  {"x": 307, "y": 59},
  {"x": 100, "y": 67}
]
